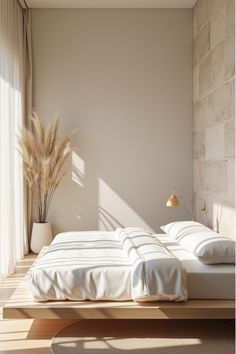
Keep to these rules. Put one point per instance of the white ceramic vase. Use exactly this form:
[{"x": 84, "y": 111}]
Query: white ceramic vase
[{"x": 41, "y": 236}]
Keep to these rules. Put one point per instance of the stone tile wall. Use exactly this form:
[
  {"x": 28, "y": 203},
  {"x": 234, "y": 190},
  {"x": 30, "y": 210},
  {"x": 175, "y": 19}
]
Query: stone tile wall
[{"x": 214, "y": 114}]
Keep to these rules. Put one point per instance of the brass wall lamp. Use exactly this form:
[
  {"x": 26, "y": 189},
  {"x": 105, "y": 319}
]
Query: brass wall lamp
[{"x": 173, "y": 201}]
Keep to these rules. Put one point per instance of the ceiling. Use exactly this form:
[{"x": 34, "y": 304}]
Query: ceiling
[{"x": 110, "y": 3}]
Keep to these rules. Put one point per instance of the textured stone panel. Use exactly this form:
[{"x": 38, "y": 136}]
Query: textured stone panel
[
  {"x": 211, "y": 176},
  {"x": 215, "y": 107},
  {"x": 215, "y": 141},
  {"x": 196, "y": 186},
  {"x": 201, "y": 43},
  {"x": 229, "y": 138},
  {"x": 224, "y": 217},
  {"x": 219, "y": 214},
  {"x": 231, "y": 180},
  {"x": 203, "y": 113},
  {"x": 196, "y": 82},
  {"x": 212, "y": 70},
  {"x": 229, "y": 56},
  {"x": 199, "y": 144},
  {"x": 202, "y": 13},
  {"x": 194, "y": 21},
  {"x": 214, "y": 6},
  {"x": 223, "y": 102},
  {"x": 230, "y": 15},
  {"x": 197, "y": 118},
  {"x": 203, "y": 216},
  {"x": 214, "y": 114},
  {"x": 219, "y": 26}
]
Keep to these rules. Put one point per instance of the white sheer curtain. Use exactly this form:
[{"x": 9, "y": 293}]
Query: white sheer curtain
[{"x": 13, "y": 211}]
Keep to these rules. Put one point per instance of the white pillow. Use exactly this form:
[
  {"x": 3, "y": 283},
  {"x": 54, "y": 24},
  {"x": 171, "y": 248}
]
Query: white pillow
[
  {"x": 179, "y": 229},
  {"x": 209, "y": 246}
]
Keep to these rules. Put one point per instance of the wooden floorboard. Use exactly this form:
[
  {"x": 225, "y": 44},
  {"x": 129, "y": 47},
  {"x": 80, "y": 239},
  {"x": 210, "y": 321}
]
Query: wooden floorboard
[{"x": 21, "y": 306}]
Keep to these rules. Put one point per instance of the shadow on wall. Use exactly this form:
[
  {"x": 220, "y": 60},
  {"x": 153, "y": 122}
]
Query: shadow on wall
[
  {"x": 113, "y": 211},
  {"x": 107, "y": 221}
]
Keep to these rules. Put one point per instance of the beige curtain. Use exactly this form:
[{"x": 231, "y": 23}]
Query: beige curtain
[
  {"x": 15, "y": 104},
  {"x": 28, "y": 71}
]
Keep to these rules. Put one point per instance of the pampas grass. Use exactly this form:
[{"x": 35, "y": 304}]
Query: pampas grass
[{"x": 44, "y": 154}]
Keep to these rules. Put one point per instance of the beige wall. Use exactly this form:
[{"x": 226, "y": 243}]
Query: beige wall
[
  {"x": 214, "y": 114},
  {"x": 123, "y": 79}
]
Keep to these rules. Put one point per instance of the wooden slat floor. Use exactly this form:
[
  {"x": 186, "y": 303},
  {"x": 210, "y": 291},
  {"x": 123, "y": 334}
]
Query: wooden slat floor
[{"x": 25, "y": 336}]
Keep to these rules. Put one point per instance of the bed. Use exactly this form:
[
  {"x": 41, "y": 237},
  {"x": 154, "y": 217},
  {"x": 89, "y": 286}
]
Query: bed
[
  {"x": 126, "y": 264},
  {"x": 210, "y": 288}
]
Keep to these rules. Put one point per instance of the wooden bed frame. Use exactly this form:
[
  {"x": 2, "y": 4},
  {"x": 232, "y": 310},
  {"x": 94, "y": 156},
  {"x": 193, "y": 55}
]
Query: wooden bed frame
[{"x": 21, "y": 306}]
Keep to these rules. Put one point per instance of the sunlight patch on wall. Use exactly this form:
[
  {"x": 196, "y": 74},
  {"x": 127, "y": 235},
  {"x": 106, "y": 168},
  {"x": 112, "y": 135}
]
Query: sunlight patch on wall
[
  {"x": 115, "y": 212},
  {"x": 78, "y": 169},
  {"x": 224, "y": 218}
]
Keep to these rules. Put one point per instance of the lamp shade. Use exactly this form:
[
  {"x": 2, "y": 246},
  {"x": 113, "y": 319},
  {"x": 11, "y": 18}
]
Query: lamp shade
[{"x": 172, "y": 201}]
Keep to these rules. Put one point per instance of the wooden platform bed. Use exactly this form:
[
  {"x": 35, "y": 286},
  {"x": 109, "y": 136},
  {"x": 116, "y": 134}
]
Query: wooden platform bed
[{"x": 21, "y": 306}]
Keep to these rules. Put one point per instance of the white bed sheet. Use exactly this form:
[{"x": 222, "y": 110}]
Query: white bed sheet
[{"x": 203, "y": 281}]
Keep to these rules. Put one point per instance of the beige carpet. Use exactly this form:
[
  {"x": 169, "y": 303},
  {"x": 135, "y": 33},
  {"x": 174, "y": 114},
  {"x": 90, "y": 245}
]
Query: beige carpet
[{"x": 146, "y": 337}]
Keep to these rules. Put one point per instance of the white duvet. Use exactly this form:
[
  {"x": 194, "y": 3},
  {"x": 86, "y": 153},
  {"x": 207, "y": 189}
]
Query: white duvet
[{"x": 96, "y": 265}]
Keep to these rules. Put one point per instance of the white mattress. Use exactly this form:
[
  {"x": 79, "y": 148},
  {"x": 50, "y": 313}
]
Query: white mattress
[{"x": 203, "y": 281}]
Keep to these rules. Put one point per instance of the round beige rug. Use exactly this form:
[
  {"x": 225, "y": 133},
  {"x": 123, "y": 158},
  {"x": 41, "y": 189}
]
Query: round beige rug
[{"x": 145, "y": 337}]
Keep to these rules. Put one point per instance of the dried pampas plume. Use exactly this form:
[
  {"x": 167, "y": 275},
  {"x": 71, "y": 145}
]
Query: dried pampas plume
[{"x": 44, "y": 154}]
